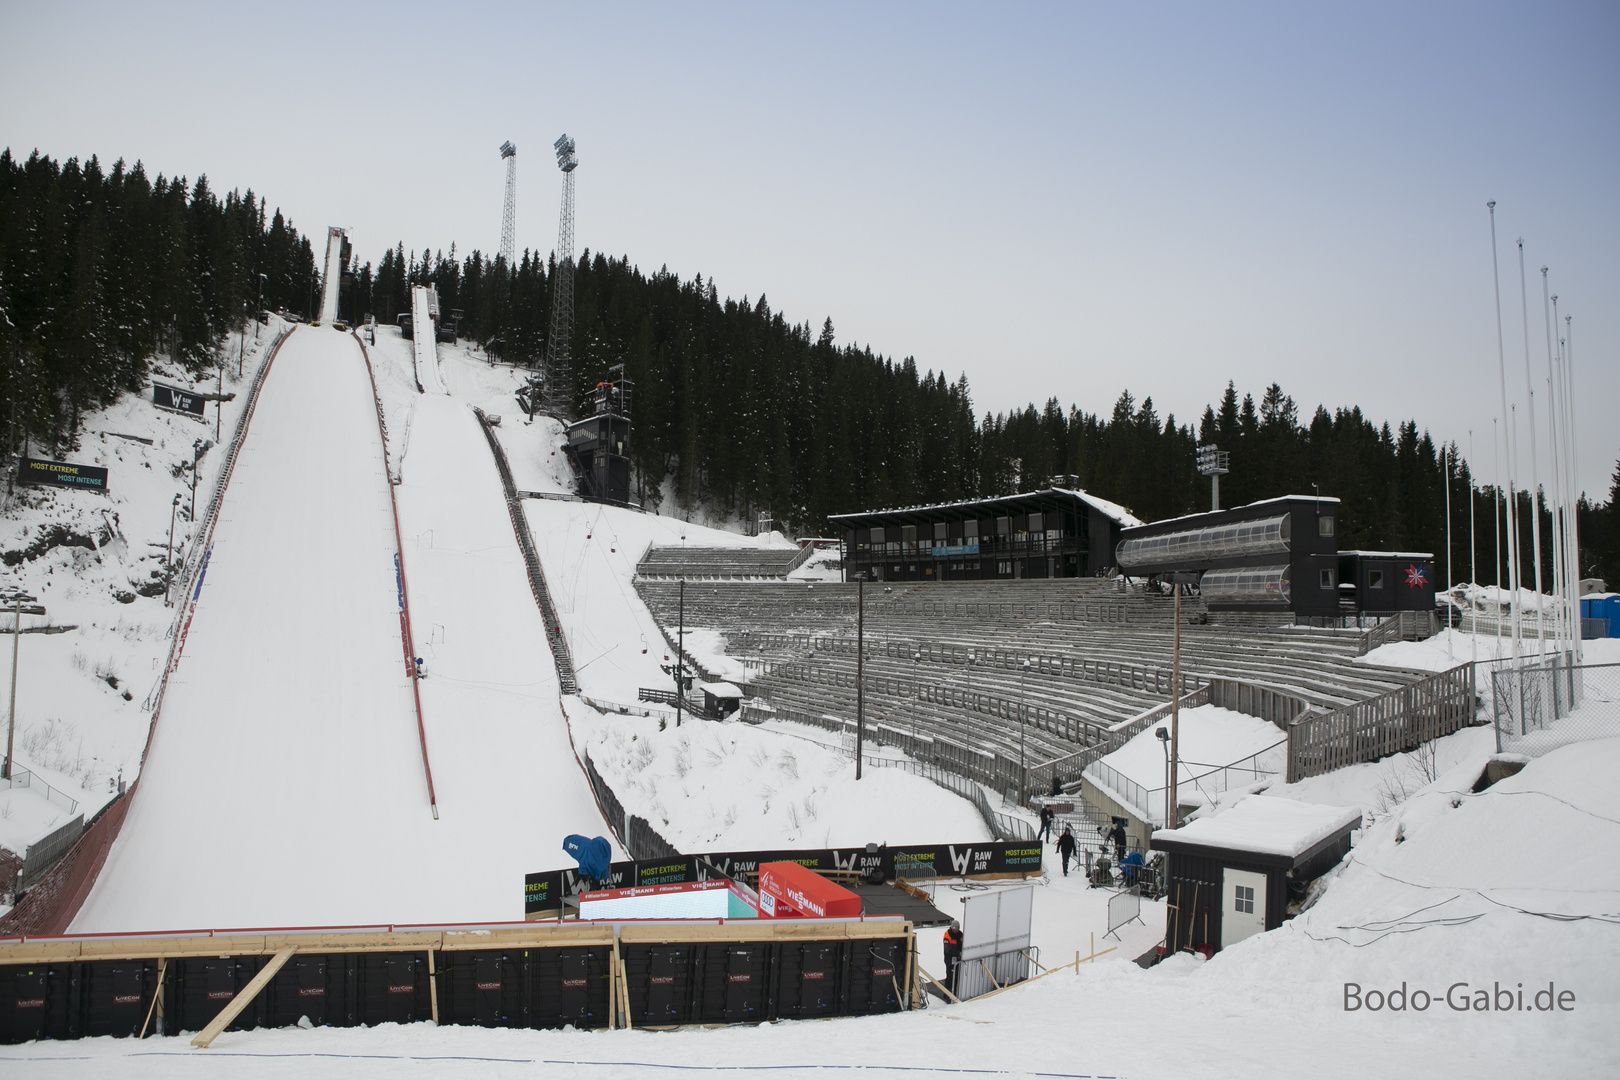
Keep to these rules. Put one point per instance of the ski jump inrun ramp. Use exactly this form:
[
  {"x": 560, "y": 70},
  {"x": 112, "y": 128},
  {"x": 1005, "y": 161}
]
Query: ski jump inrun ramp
[{"x": 284, "y": 784}]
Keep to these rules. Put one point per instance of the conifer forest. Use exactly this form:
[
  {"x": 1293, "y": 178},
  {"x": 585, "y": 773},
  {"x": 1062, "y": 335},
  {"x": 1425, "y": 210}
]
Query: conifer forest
[{"x": 105, "y": 270}]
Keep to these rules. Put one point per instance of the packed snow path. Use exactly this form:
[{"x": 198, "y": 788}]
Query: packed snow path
[
  {"x": 284, "y": 784},
  {"x": 424, "y": 337}
]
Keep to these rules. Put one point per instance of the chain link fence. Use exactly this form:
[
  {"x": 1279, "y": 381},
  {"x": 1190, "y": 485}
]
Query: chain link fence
[{"x": 1547, "y": 703}]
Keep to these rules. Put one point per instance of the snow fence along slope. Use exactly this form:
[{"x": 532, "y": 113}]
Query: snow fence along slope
[{"x": 284, "y": 782}]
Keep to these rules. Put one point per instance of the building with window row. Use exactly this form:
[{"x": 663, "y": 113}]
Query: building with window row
[{"x": 1040, "y": 534}]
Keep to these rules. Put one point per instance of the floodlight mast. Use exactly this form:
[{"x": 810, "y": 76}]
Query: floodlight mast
[
  {"x": 559, "y": 376},
  {"x": 1214, "y": 463},
  {"x": 509, "y": 211}
]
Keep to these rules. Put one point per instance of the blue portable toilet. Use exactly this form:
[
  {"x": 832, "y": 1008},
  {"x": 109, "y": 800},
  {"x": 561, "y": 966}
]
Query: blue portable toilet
[{"x": 1602, "y": 606}]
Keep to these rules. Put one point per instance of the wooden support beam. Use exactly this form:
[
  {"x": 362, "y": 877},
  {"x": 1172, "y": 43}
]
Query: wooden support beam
[
  {"x": 433, "y": 989},
  {"x": 243, "y": 998},
  {"x": 942, "y": 987},
  {"x": 157, "y": 995}
]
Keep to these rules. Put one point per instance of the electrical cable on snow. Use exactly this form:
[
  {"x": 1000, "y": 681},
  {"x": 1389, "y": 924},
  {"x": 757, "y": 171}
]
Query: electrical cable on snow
[{"x": 865, "y": 1068}]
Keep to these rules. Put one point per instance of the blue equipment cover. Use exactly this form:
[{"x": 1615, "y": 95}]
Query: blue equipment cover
[{"x": 593, "y": 855}]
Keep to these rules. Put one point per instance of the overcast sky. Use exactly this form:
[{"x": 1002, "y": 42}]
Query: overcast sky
[{"x": 1064, "y": 200}]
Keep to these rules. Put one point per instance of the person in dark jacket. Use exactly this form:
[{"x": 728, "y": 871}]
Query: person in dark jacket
[
  {"x": 1065, "y": 848},
  {"x": 1046, "y": 823},
  {"x": 1117, "y": 835},
  {"x": 953, "y": 953}
]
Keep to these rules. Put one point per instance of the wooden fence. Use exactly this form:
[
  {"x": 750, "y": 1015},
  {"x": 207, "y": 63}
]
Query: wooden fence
[{"x": 1388, "y": 724}]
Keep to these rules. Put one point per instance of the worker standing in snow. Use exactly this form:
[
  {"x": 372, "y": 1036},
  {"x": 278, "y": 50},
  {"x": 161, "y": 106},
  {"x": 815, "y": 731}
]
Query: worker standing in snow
[
  {"x": 1117, "y": 835},
  {"x": 1046, "y": 823},
  {"x": 1065, "y": 846},
  {"x": 953, "y": 953}
]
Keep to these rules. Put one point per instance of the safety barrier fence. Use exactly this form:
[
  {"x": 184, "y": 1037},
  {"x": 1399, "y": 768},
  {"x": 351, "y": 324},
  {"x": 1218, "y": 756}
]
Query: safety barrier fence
[
  {"x": 531, "y": 561},
  {"x": 636, "y": 834},
  {"x": 1549, "y": 702},
  {"x": 584, "y": 975},
  {"x": 43, "y": 853}
]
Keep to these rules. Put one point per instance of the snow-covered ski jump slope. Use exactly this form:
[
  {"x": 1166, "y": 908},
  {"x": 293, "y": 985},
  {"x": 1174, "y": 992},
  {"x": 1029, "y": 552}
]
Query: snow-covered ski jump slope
[
  {"x": 425, "y": 345},
  {"x": 285, "y": 784}
]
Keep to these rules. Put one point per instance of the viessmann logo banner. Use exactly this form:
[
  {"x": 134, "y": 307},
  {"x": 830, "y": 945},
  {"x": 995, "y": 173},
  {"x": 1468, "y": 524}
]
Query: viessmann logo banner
[
  {"x": 63, "y": 474},
  {"x": 545, "y": 891}
]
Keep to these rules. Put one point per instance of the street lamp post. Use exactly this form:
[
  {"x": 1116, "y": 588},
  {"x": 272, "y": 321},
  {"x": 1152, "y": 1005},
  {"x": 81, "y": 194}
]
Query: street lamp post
[
  {"x": 1164, "y": 741},
  {"x": 15, "y": 599},
  {"x": 260, "y": 308},
  {"x": 1023, "y": 726},
  {"x": 168, "y": 560},
  {"x": 196, "y": 456}
]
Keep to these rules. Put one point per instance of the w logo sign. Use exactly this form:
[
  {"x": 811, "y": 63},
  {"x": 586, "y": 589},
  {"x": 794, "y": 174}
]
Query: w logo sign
[{"x": 960, "y": 863}]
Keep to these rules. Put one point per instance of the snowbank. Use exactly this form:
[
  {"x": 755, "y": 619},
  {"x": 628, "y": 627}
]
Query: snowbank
[{"x": 709, "y": 786}]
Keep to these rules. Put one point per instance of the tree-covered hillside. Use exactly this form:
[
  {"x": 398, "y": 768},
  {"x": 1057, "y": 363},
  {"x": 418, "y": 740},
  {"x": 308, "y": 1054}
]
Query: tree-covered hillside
[{"x": 737, "y": 407}]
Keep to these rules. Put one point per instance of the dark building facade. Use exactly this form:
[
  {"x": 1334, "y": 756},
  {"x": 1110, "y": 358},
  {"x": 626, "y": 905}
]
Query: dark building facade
[
  {"x": 599, "y": 446},
  {"x": 1039, "y": 534},
  {"x": 1280, "y": 555},
  {"x": 1384, "y": 582}
]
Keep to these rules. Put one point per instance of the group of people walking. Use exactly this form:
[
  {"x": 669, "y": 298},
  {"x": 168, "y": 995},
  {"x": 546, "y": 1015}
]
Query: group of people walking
[{"x": 1067, "y": 845}]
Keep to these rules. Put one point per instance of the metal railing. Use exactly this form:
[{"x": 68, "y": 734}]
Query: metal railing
[
  {"x": 1151, "y": 804},
  {"x": 23, "y": 778},
  {"x": 1401, "y": 626}
]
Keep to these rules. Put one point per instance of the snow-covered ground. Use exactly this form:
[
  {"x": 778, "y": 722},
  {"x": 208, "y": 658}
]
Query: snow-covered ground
[
  {"x": 1450, "y": 894},
  {"x": 286, "y": 768},
  {"x": 1210, "y": 739},
  {"x": 96, "y": 563}
]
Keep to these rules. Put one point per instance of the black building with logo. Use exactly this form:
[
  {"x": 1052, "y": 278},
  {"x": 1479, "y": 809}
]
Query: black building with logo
[{"x": 1040, "y": 534}]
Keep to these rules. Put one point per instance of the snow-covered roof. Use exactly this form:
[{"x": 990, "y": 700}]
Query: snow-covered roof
[
  {"x": 1110, "y": 509},
  {"x": 1245, "y": 506},
  {"x": 1390, "y": 554},
  {"x": 1266, "y": 825},
  {"x": 720, "y": 689}
]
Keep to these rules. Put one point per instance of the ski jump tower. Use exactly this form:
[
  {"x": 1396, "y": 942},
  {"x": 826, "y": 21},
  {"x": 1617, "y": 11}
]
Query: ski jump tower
[
  {"x": 509, "y": 211},
  {"x": 559, "y": 375}
]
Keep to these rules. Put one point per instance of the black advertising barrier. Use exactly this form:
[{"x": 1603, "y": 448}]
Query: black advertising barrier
[
  {"x": 544, "y": 892},
  {"x": 167, "y": 397},
  {"x": 63, "y": 474}
]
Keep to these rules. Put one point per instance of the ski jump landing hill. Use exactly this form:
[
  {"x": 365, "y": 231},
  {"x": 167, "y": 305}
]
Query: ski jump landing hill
[{"x": 285, "y": 782}]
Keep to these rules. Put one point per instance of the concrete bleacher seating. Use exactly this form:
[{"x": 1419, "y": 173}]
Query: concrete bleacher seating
[
  {"x": 702, "y": 563},
  {"x": 945, "y": 660}
]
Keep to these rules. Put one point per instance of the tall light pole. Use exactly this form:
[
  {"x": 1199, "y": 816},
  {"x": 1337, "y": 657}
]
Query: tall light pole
[
  {"x": 1214, "y": 463},
  {"x": 1164, "y": 741},
  {"x": 860, "y": 672},
  {"x": 168, "y": 561},
  {"x": 1171, "y": 810},
  {"x": 196, "y": 456},
  {"x": 1023, "y": 726},
  {"x": 15, "y": 599},
  {"x": 256, "y": 313}
]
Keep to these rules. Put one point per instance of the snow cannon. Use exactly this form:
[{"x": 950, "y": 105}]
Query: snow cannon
[{"x": 592, "y": 853}]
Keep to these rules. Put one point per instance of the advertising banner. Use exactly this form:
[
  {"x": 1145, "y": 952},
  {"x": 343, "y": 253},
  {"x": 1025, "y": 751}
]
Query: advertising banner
[
  {"x": 167, "y": 397},
  {"x": 544, "y": 892},
  {"x": 63, "y": 474}
]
